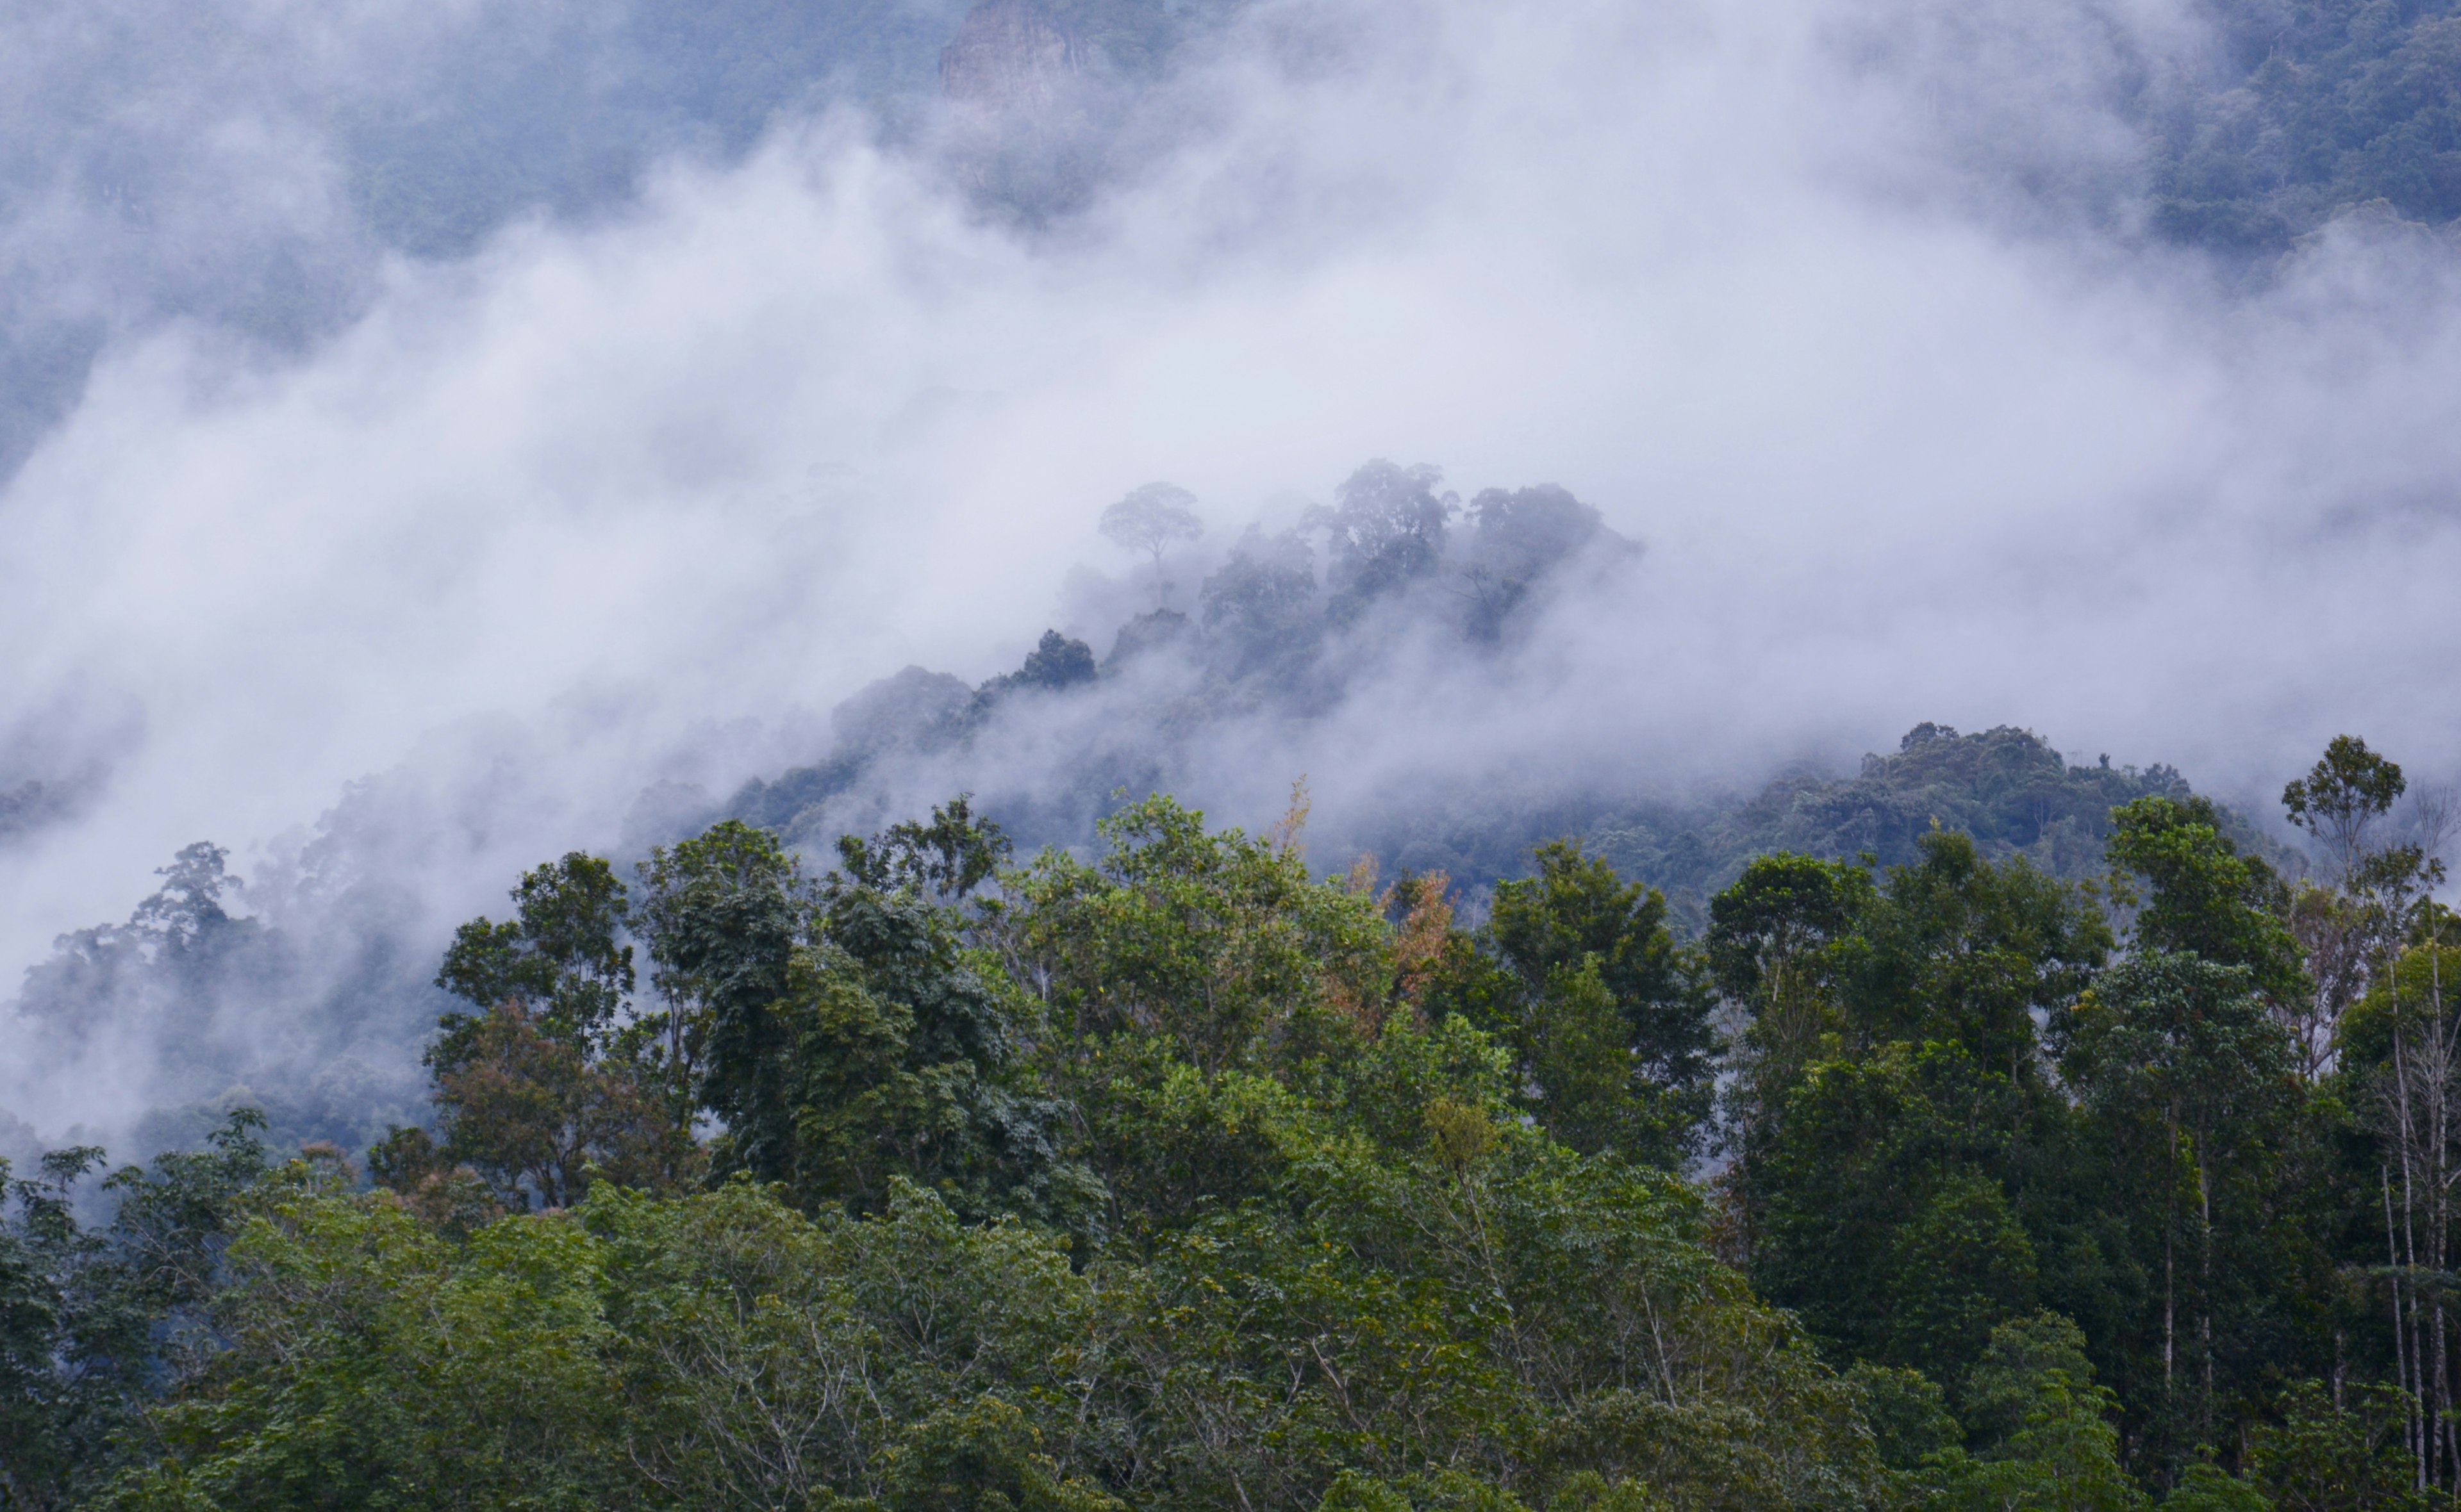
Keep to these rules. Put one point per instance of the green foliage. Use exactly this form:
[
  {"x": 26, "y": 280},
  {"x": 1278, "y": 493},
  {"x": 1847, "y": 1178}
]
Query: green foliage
[
  {"x": 559, "y": 957},
  {"x": 2329, "y": 1456},
  {"x": 1352, "y": 1492},
  {"x": 1908, "y": 1414},
  {"x": 1314, "y": 1256},
  {"x": 2192, "y": 1109},
  {"x": 1891, "y": 1099},
  {"x": 44, "y": 1413},
  {"x": 946, "y": 858},
  {"x": 724, "y": 914},
  {"x": 1576, "y": 915},
  {"x": 546, "y": 1090},
  {"x": 540, "y": 1119},
  {"x": 981, "y": 1457},
  {"x": 2171, "y": 1036},
  {"x": 1593, "y": 1091},
  {"x": 2007, "y": 788},
  {"x": 1514, "y": 1321},
  {"x": 1958, "y": 950},
  {"x": 1608, "y": 1018},
  {"x": 370, "y": 1362},
  {"x": 2205, "y": 1487},
  {"x": 1177, "y": 1176},
  {"x": 1880, "y": 1214},
  {"x": 97, "y": 1321},
  {"x": 2039, "y": 1429},
  {"x": 1217, "y": 943},
  {"x": 1768, "y": 931},
  {"x": 2348, "y": 789},
  {"x": 898, "y": 1061},
  {"x": 775, "y": 1360},
  {"x": 1949, "y": 1110},
  {"x": 2207, "y": 898}
]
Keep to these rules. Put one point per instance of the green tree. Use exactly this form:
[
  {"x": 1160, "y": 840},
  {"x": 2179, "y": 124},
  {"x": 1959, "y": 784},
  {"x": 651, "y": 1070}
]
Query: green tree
[
  {"x": 1219, "y": 944},
  {"x": 2342, "y": 798},
  {"x": 945, "y": 859},
  {"x": 901, "y": 1061},
  {"x": 97, "y": 1320},
  {"x": 1592, "y": 1092},
  {"x": 1892, "y": 1117},
  {"x": 539, "y": 1118},
  {"x": 561, "y": 956},
  {"x": 2326, "y": 1455},
  {"x": 1780, "y": 920},
  {"x": 1881, "y": 1211},
  {"x": 2207, "y": 1487},
  {"x": 723, "y": 913},
  {"x": 369, "y": 1362},
  {"x": 2039, "y": 1429},
  {"x": 543, "y": 1091},
  {"x": 982, "y": 1456},
  {"x": 1908, "y": 1414},
  {"x": 1578, "y": 974},
  {"x": 2205, "y": 898},
  {"x": 48, "y": 1411},
  {"x": 2193, "y": 1107},
  {"x": 1781, "y": 942},
  {"x": 1958, "y": 949},
  {"x": 1575, "y": 909}
]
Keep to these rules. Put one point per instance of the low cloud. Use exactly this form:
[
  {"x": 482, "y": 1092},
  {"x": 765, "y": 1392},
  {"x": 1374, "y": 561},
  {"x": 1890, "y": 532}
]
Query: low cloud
[{"x": 1857, "y": 340}]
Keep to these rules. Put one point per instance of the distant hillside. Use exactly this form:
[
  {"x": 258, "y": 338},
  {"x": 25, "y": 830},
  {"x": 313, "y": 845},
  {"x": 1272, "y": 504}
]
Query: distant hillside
[
  {"x": 1290, "y": 626},
  {"x": 2009, "y": 788},
  {"x": 2317, "y": 107}
]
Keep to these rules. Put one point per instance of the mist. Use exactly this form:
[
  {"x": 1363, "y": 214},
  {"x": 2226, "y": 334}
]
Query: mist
[{"x": 541, "y": 529}]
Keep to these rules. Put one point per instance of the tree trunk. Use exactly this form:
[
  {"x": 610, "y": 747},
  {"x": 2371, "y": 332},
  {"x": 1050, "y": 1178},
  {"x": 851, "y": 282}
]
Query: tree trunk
[
  {"x": 2205, "y": 1279},
  {"x": 2170, "y": 1267},
  {"x": 2406, "y": 1145},
  {"x": 2399, "y": 1349}
]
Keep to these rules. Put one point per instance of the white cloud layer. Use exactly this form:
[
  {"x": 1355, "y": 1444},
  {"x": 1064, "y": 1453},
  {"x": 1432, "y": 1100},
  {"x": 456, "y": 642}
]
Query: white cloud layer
[{"x": 1850, "y": 335}]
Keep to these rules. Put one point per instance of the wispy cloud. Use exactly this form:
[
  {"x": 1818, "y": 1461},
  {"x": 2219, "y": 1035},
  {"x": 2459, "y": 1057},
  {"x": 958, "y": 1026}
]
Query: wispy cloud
[{"x": 1856, "y": 336}]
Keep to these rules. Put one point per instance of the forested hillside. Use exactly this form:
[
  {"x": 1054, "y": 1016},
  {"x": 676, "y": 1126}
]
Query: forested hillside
[
  {"x": 305, "y": 989},
  {"x": 1186, "y": 1174},
  {"x": 2279, "y": 117},
  {"x": 2311, "y": 110},
  {"x": 1445, "y": 998},
  {"x": 1359, "y": 600}
]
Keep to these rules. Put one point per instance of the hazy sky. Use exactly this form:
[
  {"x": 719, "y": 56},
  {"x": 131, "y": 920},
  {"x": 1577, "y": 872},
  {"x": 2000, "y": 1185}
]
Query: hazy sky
[{"x": 1834, "y": 304}]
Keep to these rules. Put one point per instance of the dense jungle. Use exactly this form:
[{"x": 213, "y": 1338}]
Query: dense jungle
[
  {"x": 961, "y": 1103},
  {"x": 1187, "y": 1173}
]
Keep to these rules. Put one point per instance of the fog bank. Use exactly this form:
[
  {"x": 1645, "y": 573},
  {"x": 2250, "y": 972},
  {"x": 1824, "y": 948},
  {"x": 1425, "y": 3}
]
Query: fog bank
[{"x": 1857, "y": 340}]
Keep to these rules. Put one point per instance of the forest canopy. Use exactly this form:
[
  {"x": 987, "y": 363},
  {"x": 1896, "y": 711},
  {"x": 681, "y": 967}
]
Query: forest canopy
[
  {"x": 1183, "y": 1174},
  {"x": 950, "y": 1116}
]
